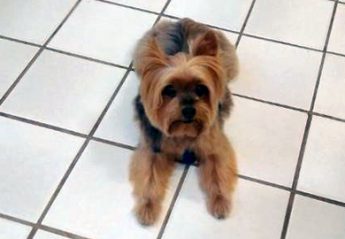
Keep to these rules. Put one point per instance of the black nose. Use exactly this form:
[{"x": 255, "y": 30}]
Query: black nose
[{"x": 188, "y": 112}]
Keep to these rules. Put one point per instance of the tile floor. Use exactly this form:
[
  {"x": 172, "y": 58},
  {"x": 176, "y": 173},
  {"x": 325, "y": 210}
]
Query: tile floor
[{"x": 67, "y": 130}]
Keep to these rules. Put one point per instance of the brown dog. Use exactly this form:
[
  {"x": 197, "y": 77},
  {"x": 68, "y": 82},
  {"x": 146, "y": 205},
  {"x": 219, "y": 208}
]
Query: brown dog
[{"x": 184, "y": 68}]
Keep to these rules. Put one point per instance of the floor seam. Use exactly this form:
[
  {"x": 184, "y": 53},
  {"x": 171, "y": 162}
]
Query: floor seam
[
  {"x": 38, "y": 53},
  {"x": 78, "y": 155},
  {"x": 307, "y": 130},
  {"x": 245, "y": 23},
  {"x": 173, "y": 202}
]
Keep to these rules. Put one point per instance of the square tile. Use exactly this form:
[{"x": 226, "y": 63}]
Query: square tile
[
  {"x": 32, "y": 20},
  {"x": 103, "y": 31},
  {"x": 276, "y": 72},
  {"x": 47, "y": 235},
  {"x": 267, "y": 140},
  {"x": 292, "y": 21},
  {"x": 64, "y": 91},
  {"x": 323, "y": 164},
  {"x": 330, "y": 97},
  {"x": 152, "y": 5},
  {"x": 13, "y": 59},
  {"x": 12, "y": 230},
  {"x": 97, "y": 199},
  {"x": 255, "y": 207},
  {"x": 119, "y": 124},
  {"x": 315, "y": 219},
  {"x": 229, "y": 14},
  {"x": 337, "y": 39},
  {"x": 33, "y": 161}
]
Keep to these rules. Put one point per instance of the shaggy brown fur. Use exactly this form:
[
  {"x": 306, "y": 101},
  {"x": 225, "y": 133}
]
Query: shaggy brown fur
[{"x": 184, "y": 69}]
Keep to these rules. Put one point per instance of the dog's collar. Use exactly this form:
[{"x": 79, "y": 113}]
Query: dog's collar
[{"x": 189, "y": 158}]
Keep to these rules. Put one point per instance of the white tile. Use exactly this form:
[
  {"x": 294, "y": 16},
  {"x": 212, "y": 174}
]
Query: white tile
[
  {"x": 330, "y": 98},
  {"x": 266, "y": 139},
  {"x": 97, "y": 198},
  {"x": 276, "y": 72},
  {"x": 64, "y": 91},
  {"x": 13, "y": 59},
  {"x": 12, "y": 230},
  {"x": 119, "y": 124},
  {"x": 258, "y": 212},
  {"x": 32, "y": 162},
  {"x": 323, "y": 164},
  {"x": 228, "y": 14},
  {"x": 103, "y": 31},
  {"x": 47, "y": 235},
  {"x": 292, "y": 21},
  {"x": 315, "y": 219},
  {"x": 32, "y": 20},
  {"x": 152, "y": 5},
  {"x": 337, "y": 39}
]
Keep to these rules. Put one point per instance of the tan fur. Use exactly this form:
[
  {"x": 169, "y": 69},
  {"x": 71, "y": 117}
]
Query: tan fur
[{"x": 212, "y": 62}]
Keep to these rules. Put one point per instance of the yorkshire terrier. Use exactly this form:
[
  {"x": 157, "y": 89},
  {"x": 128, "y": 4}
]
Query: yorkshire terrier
[{"x": 184, "y": 69}]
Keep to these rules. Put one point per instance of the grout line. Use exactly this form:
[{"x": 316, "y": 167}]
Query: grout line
[
  {"x": 61, "y": 232},
  {"x": 263, "y": 182},
  {"x": 245, "y": 23},
  {"x": 162, "y": 11},
  {"x": 173, "y": 202},
  {"x": 34, "y": 58},
  {"x": 64, "y": 52},
  {"x": 336, "y": 53},
  {"x": 209, "y": 25},
  {"x": 14, "y": 84},
  {"x": 125, "y": 146},
  {"x": 329, "y": 117},
  {"x": 128, "y": 6},
  {"x": 77, "y": 157},
  {"x": 86, "y": 58},
  {"x": 270, "y": 103},
  {"x": 281, "y": 42},
  {"x": 19, "y": 41},
  {"x": 17, "y": 220},
  {"x": 320, "y": 198},
  {"x": 63, "y": 130},
  {"x": 306, "y": 131},
  {"x": 44, "y": 125},
  {"x": 119, "y": 86}
]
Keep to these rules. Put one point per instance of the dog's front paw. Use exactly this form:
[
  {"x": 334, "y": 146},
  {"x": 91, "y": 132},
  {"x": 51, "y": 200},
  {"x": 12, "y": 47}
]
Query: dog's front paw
[
  {"x": 219, "y": 207},
  {"x": 147, "y": 213}
]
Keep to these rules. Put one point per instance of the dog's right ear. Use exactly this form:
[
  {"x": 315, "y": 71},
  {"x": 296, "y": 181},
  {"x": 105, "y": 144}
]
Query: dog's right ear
[
  {"x": 152, "y": 58},
  {"x": 207, "y": 45}
]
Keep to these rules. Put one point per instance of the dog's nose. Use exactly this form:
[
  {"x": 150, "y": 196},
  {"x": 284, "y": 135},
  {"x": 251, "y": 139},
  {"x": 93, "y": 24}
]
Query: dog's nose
[{"x": 188, "y": 112}]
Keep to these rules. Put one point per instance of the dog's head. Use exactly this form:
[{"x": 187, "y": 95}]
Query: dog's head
[{"x": 181, "y": 93}]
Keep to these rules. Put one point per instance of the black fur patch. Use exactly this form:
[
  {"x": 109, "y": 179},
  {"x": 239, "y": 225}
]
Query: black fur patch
[
  {"x": 151, "y": 133},
  {"x": 174, "y": 40},
  {"x": 189, "y": 158},
  {"x": 224, "y": 107}
]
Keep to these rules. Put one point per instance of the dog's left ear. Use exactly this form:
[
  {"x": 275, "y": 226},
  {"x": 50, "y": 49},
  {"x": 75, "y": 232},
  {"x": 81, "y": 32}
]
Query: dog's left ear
[{"x": 207, "y": 44}]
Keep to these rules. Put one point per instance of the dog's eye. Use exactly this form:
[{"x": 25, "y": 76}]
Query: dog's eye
[
  {"x": 201, "y": 90},
  {"x": 170, "y": 91}
]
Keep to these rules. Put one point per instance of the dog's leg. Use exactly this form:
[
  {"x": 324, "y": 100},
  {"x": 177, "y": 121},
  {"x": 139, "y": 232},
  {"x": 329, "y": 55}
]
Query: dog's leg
[
  {"x": 149, "y": 174},
  {"x": 218, "y": 176}
]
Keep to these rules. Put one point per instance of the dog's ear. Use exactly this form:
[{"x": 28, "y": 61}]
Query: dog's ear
[
  {"x": 207, "y": 44},
  {"x": 152, "y": 58}
]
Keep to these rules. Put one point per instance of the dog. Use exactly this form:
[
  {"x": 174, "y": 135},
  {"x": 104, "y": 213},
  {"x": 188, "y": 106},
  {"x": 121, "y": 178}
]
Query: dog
[{"x": 184, "y": 68}]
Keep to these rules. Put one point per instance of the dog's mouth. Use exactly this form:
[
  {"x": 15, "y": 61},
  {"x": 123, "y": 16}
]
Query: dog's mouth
[
  {"x": 185, "y": 128},
  {"x": 187, "y": 121}
]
